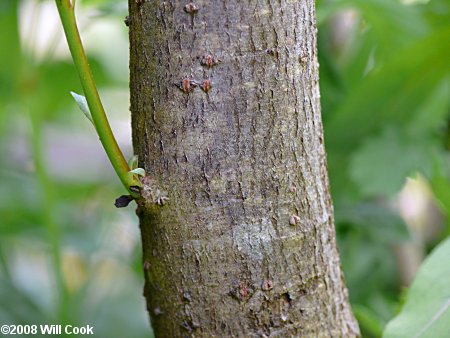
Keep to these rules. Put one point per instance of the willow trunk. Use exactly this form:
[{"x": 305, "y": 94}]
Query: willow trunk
[{"x": 237, "y": 221}]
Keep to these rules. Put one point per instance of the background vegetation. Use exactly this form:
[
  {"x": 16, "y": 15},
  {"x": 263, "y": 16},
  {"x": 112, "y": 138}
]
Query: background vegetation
[{"x": 68, "y": 256}]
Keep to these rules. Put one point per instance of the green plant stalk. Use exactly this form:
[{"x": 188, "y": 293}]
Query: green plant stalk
[{"x": 66, "y": 9}]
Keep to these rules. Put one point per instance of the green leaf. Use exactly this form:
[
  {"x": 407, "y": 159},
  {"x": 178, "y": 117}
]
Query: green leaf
[
  {"x": 403, "y": 23},
  {"x": 381, "y": 164},
  {"x": 426, "y": 313},
  {"x": 391, "y": 95},
  {"x": 83, "y": 105},
  {"x": 432, "y": 114},
  {"x": 133, "y": 162},
  {"x": 375, "y": 221},
  {"x": 138, "y": 171}
]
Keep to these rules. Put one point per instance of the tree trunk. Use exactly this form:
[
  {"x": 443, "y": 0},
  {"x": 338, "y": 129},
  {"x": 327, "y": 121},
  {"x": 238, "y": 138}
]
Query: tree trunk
[{"x": 237, "y": 221}]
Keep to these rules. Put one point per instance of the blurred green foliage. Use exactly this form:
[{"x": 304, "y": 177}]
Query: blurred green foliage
[
  {"x": 67, "y": 256},
  {"x": 385, "y": 91}
]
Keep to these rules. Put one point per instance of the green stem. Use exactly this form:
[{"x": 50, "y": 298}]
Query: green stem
[{"x": 66, "y": 9}]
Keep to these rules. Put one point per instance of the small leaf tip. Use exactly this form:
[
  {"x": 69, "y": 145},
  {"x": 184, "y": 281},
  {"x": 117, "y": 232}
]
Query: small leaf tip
[
  {"x": 83, "y": 105},
  {"x": 138, "y": 171}
]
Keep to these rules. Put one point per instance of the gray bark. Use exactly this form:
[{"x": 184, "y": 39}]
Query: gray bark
[{"x": 245, "y": 244}]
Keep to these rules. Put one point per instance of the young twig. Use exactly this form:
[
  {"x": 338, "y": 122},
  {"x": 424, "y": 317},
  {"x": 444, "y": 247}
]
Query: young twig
[{"x": 129, "y": 180}]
